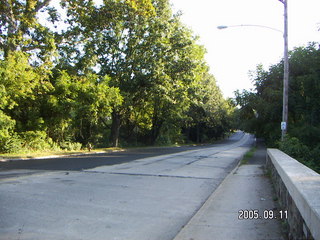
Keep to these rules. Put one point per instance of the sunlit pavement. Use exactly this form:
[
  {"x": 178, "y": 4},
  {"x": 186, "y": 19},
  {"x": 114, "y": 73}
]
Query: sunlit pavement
[
  {"x": 242, "y": 207},
  {"x": 149, "y": 198}
]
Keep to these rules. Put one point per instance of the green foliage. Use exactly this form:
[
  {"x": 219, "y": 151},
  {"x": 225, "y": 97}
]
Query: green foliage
[
  {"x": 20, "y": 30},
  {"x": 6, "y": 125},
  {"x": 314, "y": 161},
  {"x": 79, "y": 104},
  {"x": 261, "y": 109},
  {"x": 154, "y": 61},
  {"x": 209, "y": 115},
  {"x": 142, "y": 7},
  {"x": 248, "y": 155},
  {"x": 17, "y": 79},
  {"x": 295, "y": 148},
  {"x": 71, "y": 146},
  {"x": 10, "y": 144},
  {"x": 122, "y": 71},
  {"x": 35, "y": 140}
]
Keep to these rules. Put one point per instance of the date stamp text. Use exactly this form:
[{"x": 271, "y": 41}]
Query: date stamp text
[{"x": 251, "y": 214}]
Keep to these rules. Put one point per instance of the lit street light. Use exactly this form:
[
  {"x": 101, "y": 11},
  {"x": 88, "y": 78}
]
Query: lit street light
[{"x": 284, "y": 123}]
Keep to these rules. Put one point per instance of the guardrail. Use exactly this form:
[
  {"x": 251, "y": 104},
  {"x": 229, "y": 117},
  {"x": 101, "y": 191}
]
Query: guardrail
[{"x": 298, "y": 190}]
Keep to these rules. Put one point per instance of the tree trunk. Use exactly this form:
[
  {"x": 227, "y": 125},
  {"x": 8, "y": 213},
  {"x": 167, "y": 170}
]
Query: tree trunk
[
  {"x": 154, "y": 133},
  {"x": 115, "y": 128},
  {"x": 156, "y": 122},
  {"x": 198, "y": 133}
]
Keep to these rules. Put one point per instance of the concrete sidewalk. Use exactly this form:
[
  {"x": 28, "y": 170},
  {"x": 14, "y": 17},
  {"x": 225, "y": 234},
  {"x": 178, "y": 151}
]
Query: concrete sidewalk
[{"x": 246, "y": 188}]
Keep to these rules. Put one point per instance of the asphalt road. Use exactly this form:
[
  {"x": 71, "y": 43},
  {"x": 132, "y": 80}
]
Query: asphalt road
[
  {"x": 138, "y": 194},
  {"x": 78, "y": 163}
]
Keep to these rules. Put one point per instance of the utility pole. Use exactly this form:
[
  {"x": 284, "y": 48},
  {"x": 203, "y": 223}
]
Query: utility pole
[{"x": 284, "y": 123}]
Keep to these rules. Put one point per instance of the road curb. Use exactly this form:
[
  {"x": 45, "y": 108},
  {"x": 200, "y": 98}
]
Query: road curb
[
  {"x": 58, "y": 156},
  {"x": 3, "y": 159}
]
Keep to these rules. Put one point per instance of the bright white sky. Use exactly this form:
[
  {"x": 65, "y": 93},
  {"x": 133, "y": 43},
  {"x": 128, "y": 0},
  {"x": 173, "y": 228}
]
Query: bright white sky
[{"x": 233, "y": 52}]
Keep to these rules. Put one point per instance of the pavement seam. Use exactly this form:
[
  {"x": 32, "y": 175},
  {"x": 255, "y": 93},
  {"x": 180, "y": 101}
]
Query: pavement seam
[{"x": 28, "y": 175}]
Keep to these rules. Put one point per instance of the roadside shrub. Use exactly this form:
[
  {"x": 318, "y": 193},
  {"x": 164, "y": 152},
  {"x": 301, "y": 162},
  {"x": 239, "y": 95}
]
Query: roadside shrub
[
  {"x": 296, "y": 149},
  {"x": 71, "y": 146},
  {"x": 53, "y": 145},
  {"x": 6, "y": 124},
  {"x": 164, "y": 140},
  {"x": 75, "y": 146},
  {"x": 315, "y": 159},
  {"x": 35, "y": 140},
  {"x": 10, "y": 144}
]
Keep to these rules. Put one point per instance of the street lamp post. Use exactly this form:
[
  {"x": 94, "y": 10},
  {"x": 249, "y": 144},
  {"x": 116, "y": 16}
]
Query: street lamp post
[{"x": 284, "y": 123}]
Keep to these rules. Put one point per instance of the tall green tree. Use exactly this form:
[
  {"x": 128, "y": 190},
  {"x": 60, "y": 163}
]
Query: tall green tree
[
  {"x": 152, "y": 59},
  {"x": 129, "y": 70},
  {"x": 262, "y": 108},
  {"x": 265, "y": 103},
  {"x": 209, "y": 113},
  {"x": 106, "y": 48}
]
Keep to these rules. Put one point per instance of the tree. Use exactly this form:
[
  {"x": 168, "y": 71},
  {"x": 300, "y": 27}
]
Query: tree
[
  {"x": 129, "y": 70},
  {"x": 152, "y": 59},
  {"x": 108, "y": 47},
  {"x": 209, "y": 114},
  {"x": 20, "y": 29},
  {"x": 304, "y": 90},
  {"x": 78, "y": 106}
]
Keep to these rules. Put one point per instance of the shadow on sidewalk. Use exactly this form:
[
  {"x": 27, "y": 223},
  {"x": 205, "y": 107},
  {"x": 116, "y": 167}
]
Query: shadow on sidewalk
[{"x": 259, "y": 156}]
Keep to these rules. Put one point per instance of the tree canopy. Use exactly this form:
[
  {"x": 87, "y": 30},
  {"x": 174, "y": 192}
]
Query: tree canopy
[
  {"x": 261, "y": 109},
  {"x": 121, "y": 72}
]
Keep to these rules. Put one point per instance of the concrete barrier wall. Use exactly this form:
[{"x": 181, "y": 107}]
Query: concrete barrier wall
[{"x": 298, "y": 190}]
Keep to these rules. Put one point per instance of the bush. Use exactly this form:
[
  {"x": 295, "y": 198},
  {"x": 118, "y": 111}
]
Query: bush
[
  {"x": 308, "y": 156},
  {"x": 297, "y": 150},
  {"x": 6, "y": 124},
  {"x": 293, "y": 147},
  {"x": 35, "y": 140},
  {"x": 10, "y": 144},
  {"x": 71, "y": 146},
  {"x": 53, "y": 145},
  {"x": 315, "y": 159}
]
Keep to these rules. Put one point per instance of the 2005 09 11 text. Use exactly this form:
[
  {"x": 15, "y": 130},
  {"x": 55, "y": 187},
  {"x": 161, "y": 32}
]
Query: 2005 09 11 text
[{"x": 266, "y": 214}]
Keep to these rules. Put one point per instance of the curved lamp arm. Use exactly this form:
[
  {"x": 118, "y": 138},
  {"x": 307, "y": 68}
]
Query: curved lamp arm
[{"x": 249, "y": 25}]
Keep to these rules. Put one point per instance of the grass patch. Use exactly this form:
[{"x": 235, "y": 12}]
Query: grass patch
[
  {"x": 248, "y": 156},
  {"x": 38, "y": 154},
  {"x": 26, "y": 155},
  {"x": 44, "y": 153},
  {"x": 268, "y": 173}
]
